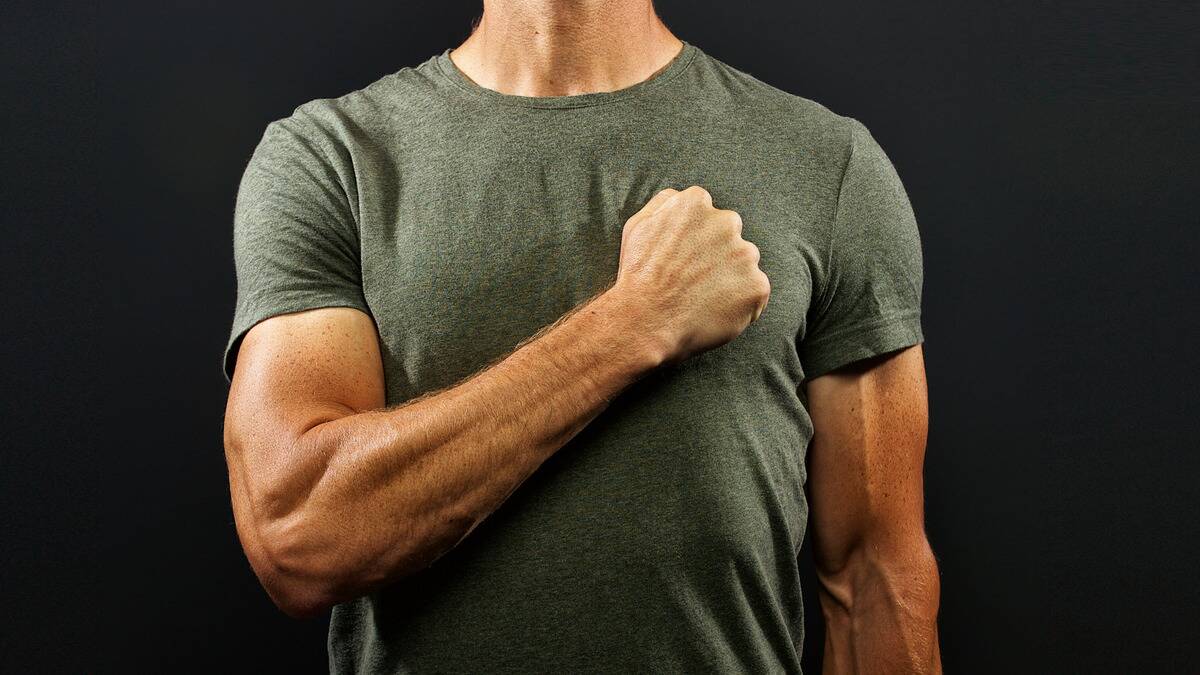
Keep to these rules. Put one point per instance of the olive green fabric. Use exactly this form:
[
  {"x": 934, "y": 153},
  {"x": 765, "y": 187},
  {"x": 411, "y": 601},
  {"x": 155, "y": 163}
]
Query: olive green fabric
[{"x": 663, "y": 537}]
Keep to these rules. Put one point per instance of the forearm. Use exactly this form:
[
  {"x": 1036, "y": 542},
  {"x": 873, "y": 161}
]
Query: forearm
[
  {"x": 881, "y": 612},
  {"x": 398, "y": 488}
]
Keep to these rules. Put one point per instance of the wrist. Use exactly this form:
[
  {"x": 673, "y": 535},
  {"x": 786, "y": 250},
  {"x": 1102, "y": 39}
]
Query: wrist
[{"x": 636, "y": 336}]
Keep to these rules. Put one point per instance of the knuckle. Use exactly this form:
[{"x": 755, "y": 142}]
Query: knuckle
[
  {"x": 729, "y": 222},
  {"x": 733, "y": 218},
  {"x": 697, "y": 192},
  {"x": 744, "y": 250},
  {"x": 764, "y": 284},
  {"x": 753, "y": 251}
]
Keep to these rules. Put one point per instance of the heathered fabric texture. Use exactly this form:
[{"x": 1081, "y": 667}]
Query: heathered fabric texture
[{"x": 664, "y": 536}]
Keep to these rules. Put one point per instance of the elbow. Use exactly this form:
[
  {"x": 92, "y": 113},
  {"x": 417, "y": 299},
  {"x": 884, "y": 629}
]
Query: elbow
[
  {"x": 299, "y": 581},
  {"x": 307, "y": 570},
  {"x": 905, "y": 571},
  {"x": 303, "y": 608},
  {"x": 299, "y": 561},
  {"x": 299, "y": 602},
  {"x": 916, "y": 579},
  {"x": 919, "y": 561}
]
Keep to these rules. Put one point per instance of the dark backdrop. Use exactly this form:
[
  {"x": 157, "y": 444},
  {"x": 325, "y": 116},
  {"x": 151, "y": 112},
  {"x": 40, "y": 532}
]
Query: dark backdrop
[{"x": 1049, "y": 150}]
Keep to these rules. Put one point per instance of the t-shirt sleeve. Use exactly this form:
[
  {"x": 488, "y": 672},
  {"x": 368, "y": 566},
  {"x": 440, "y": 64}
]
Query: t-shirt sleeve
[
  {"x": 867, "y": 297},
  {"x": 295, "y": 238}
]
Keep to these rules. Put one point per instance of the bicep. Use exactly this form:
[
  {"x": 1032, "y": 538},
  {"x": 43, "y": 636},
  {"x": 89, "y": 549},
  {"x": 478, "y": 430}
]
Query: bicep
[
  {"x": 867, "y": 455},
  {"x": 298, "y": 369}
]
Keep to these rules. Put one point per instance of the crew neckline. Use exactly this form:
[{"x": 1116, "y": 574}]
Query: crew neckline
[{"x": 682, "y": 59}]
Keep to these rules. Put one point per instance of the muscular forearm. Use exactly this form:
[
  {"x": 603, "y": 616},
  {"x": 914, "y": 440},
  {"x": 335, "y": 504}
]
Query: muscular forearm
[
  {"x": 390, "y": 491},
  {"x": 334, "y": 496},
  {"x": 881, "y": 612}
]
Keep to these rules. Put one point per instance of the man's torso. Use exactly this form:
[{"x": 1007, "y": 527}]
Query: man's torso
[{"x": 663, "y": 536}]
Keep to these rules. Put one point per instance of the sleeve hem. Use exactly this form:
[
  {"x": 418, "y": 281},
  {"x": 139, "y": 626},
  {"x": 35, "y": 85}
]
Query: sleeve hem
[
  {"x": 862, "y": 341},
  {"x": 251, "y": 319}
]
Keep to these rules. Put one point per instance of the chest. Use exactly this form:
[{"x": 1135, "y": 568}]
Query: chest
[{"x": 470, "y": 253}]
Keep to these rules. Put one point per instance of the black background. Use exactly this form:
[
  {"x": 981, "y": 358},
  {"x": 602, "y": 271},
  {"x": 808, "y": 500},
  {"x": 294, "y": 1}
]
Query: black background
[{"x": 1049, "y": 150}]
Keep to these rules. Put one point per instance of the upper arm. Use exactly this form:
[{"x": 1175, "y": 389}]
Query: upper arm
[
  {"x": 866, "y": 459},
  {"x": 296, "y": 242},
  {"x": 299, "y": 369},
  {"x": 303, "y": 347},
  {"x": 862, "y": 354},
  {"x": 302, "y": 337}
]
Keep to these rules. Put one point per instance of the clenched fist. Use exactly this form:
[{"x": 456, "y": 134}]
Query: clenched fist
[{"x": 685, "y": 262}]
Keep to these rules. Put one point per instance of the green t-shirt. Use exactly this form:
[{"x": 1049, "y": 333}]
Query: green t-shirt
[{"x": 664, "y": 537}]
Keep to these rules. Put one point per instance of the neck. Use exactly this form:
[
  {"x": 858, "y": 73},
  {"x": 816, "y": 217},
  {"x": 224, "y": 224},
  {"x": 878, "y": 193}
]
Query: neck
[{"x": 565, "y": 47}]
